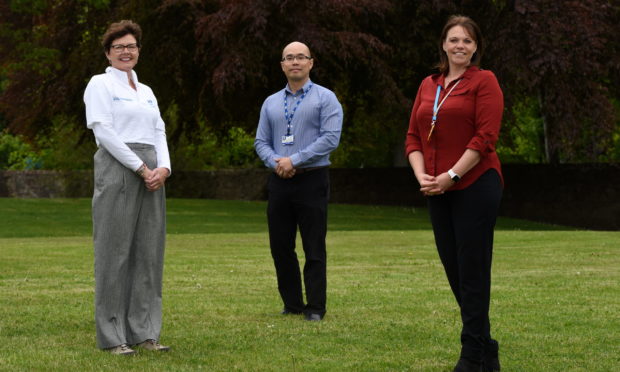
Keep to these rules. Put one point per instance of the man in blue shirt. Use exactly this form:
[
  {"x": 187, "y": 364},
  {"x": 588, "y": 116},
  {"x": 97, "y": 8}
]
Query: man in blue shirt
[{"x": 299, "y": 127}]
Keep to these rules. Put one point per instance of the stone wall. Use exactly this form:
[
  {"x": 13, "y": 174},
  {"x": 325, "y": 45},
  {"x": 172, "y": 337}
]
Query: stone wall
[
  {"x": 46, "y": 184},
  {"x": 584, "y": 195}
]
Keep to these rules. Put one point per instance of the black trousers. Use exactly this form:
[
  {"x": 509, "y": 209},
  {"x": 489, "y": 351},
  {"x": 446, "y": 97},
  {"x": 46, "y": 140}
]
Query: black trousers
[
  {"x": 299, "y": 201},
  {"x": 463, "y": 223}
]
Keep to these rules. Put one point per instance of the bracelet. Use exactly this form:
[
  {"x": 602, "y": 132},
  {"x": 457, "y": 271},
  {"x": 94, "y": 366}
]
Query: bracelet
[{"x": 140, "y": 171}]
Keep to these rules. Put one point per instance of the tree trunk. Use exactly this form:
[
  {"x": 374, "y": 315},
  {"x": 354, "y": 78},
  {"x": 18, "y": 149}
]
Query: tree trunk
[{"x": 550, "y": 153}]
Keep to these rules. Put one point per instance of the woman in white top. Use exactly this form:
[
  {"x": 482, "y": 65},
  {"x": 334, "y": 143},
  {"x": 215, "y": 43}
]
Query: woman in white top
[{"x": 129, "y": 207}]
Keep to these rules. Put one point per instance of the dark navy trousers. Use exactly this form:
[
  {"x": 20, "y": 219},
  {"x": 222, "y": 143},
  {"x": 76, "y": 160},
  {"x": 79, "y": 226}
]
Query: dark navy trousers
[
  {"x": 463, "y": 224},
  {"x": 301, "y": 202}
]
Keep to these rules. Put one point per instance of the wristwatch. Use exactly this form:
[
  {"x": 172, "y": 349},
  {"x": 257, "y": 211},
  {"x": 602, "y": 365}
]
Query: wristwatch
[
  {"x": 455, "y": 177},
  {"x": 140, "y": 171}
]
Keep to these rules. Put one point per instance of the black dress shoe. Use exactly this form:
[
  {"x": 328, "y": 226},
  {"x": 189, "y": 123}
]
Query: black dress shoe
[
  {"x": 465, "y": 365},
  {"x": 312, "y": 317},
  {"x": 286, "y": 311}
]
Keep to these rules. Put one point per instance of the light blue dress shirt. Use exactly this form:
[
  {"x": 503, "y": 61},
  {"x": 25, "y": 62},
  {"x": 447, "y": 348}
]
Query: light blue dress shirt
[{"x": 316, "y": 127}]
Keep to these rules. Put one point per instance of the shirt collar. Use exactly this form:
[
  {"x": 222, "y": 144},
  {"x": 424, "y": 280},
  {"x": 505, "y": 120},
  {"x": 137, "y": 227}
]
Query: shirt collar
[
  {"x": 471, "y": 70},
  {"x": 122, "y": 75},
  {"x": 306, "y": 87}
]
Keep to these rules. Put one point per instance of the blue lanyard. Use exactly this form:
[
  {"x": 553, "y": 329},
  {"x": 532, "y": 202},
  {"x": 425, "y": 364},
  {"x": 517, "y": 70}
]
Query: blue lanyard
[
  {"x": 437, "y": 106},
  {"x": 289, "y": 118}
]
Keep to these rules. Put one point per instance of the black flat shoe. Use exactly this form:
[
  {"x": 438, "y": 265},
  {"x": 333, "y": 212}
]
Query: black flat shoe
[
  {"x": 464, "y": 365},
  {"x": 313, "y": 317}
]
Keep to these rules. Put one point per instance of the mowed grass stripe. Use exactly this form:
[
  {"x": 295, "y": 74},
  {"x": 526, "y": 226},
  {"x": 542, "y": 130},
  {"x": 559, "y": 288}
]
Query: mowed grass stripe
[
  {"x": 554, "y": 307},
  {"x": 72, "y": 217}
]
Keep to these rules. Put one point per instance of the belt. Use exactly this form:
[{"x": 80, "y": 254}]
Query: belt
[{"x": 309, "y": 169}]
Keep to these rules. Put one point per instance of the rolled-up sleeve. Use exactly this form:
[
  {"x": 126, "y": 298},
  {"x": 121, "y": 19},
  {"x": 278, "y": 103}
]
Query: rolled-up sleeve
[
  {"x": 489, "y": 110},
  {"x": 412, "y": 142}
]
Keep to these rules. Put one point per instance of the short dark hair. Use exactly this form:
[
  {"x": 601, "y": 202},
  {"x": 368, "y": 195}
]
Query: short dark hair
[
  {"x": 119, "y": 29},
  {"x": 472, "y": 29}
]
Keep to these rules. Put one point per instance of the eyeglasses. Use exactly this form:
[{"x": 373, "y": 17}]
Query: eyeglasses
[
  {"x": 118, "y": 48},
  {"x": 299, "y": 57}
]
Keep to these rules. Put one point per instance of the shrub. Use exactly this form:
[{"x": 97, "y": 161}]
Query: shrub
[
  {"x": 15, "y": 154},
  {"x": 66, "y": 145}
]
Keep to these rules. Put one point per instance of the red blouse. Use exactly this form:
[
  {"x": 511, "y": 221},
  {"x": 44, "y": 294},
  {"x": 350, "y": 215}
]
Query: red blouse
[{"x": 470, "y": 118}]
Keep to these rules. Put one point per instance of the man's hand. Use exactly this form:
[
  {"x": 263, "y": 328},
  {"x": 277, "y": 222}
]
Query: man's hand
[{"x": 284, "y": 167}]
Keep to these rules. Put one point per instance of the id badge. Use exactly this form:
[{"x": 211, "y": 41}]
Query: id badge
[{"x": 288, "y": 140}]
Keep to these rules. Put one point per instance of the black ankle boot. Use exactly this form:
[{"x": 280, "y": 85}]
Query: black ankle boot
[
  {"x": 490, "y": 362},
  {"x": 465, "y": 365}
]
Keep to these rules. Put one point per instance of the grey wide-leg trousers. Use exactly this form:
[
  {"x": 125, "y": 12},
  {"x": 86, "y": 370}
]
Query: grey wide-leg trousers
[{"x": 129, "y": 231}]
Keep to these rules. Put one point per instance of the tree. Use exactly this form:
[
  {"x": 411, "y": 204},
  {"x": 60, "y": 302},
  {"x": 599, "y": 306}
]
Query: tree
[
  {"x": 558, "y": 53},
  {"x": 43, "y": 59},
  {"x": 238, "y": 48},
  {"x": 211, "y": 63}
]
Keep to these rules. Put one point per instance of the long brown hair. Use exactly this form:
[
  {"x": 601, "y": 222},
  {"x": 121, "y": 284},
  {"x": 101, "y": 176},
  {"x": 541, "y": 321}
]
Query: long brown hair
[{"x": 472, "y": 29}]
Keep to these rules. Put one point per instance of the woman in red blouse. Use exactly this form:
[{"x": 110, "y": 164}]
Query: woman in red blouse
[{"x": 450, "y": 145}]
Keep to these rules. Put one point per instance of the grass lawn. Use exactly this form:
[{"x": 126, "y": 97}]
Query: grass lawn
[{"x": 555, "y": 300}]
